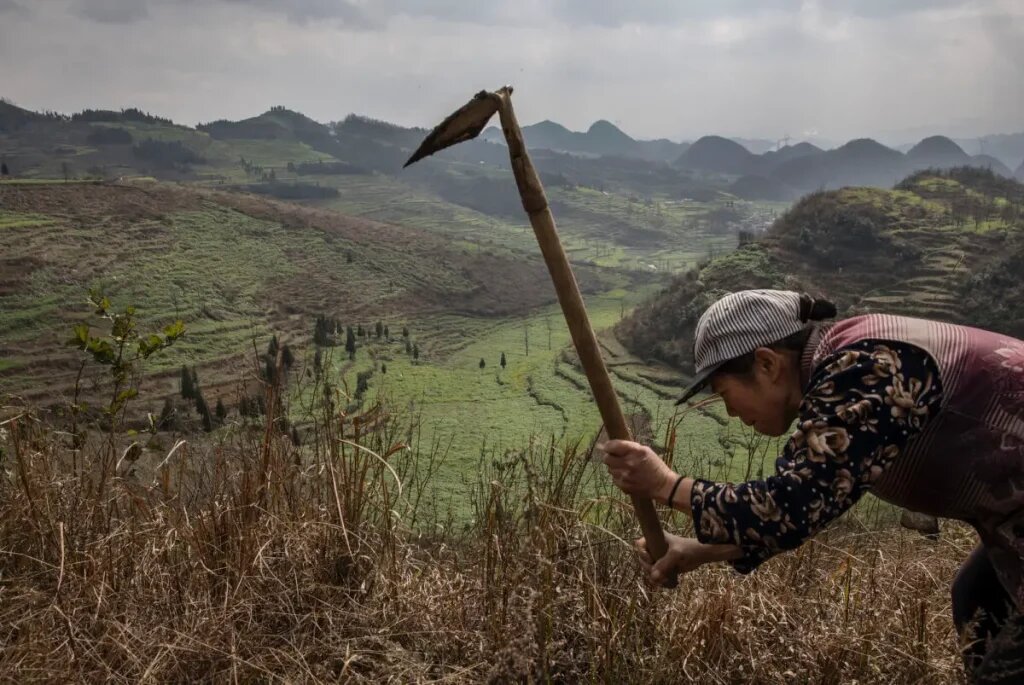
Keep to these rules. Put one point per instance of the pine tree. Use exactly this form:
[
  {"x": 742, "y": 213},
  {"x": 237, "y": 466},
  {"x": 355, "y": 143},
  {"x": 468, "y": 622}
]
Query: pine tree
[
  {"x": 405, "y": 331},
  {"x": 482, "y": 363},
  {"x": 503, "y": 361},
  {"x": 387, "y": 333},
  {"x": 379, "y": 329},
  {"x": 221, "y": 410},
  {"x": 287, "y": 358},
  {"x": 383, "y": 368},
  {"x": 272, "y": 347},
  {"x": 204, "y": 411},
  {"x": 415, "y": 351},
  {"x": 350, "y": 342},
  {"x": 408, "y": 346},
  {"x": 296, "y": 440},
  {"x": 318, "y": 362},
  {"x": 362, "y": 383},
  {"x": 4, "y": 171},
  {"x": 360, "y": 332},
  {"x": 166, "y": 414},
  {"x": 187, "y": 388}
]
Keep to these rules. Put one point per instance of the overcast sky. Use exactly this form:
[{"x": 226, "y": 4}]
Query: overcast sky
[{"x": 673, "y": 68}]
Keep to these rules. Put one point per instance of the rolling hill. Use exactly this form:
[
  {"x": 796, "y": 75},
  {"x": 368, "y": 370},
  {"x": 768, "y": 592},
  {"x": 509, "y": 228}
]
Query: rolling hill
[
  {"x": 232, "y": 267},
  {"x": 947, "y": 245}
]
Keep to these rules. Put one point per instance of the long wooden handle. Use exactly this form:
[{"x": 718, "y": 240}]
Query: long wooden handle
[{"x": 536, "y": 205}]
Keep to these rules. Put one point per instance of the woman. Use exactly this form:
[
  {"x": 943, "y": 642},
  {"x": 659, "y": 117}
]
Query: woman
[{"x": 927, "y": 415}]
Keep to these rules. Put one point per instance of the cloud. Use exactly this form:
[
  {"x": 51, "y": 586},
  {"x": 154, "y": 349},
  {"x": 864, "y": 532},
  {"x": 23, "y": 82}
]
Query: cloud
[
  {"x": 12, "y": 7},
  {"x": 655, "y": 67},
  {"x": 113, "y": 11}
]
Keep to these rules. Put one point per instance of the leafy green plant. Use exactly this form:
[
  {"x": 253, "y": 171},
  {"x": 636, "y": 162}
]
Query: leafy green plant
[{"x": 122, "y": 350}]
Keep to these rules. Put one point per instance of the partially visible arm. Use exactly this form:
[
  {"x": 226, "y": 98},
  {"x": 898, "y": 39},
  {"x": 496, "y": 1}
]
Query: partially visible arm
[{"x": 863, "y": 405}]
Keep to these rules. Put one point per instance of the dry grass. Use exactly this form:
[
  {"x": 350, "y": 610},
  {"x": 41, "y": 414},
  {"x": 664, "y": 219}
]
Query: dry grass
[{"x": 249, "y": 559}]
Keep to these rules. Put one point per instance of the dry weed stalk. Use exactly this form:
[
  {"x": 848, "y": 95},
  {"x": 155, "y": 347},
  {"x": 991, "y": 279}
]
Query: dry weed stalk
[{"x": 248, "y": 558}]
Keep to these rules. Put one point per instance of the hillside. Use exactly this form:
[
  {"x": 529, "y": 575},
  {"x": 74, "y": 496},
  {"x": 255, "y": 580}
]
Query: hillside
[
  {"x": 232, "y": 267},
  {"x": 948, "y": 245}
]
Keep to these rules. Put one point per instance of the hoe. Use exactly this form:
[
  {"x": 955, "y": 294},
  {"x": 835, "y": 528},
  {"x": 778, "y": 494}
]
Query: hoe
[{"x": 466, "y": 123}]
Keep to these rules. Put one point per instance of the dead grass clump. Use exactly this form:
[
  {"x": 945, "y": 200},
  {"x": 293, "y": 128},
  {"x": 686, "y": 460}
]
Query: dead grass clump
[{"x": 250, "y": 559}]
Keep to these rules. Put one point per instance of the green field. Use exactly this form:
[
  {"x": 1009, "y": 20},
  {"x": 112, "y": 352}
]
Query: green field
[
  {"x": 240, "y": 270},
  {"x": 484, "y": 412}
]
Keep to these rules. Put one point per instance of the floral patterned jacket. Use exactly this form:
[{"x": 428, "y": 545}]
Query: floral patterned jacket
[
  {"x": 862, "y": 404},
  {"x": 926, "y": 415}
]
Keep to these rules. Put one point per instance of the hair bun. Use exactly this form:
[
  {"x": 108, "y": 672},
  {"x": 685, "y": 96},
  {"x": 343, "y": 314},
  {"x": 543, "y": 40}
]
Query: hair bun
[{"x": 812, "y": 309}]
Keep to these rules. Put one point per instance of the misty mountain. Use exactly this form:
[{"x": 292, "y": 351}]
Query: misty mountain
[
  {"x": 108, "y": 142},
  {"x": 859, "y": 162},
  {"x": 990, "y": 162},
  {"x": 719, "y": 155},
  {"x": 937, "y": 152},
  {"x": 803, "y": 167},
  {"x": 602, "y": 139},
  {"x": 757, "y": 146},
  {"x": 774, "y": 158},
  {"x": 1020, "y": 172},
  {"x": 1008, "y": 148}
]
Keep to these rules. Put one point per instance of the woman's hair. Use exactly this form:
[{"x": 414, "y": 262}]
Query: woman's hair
[{"x": 811, "y": 310}]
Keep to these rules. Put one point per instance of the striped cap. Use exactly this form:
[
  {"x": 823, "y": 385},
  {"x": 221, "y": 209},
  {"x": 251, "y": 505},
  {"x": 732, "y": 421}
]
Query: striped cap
[{"x": 740, "y": 323}]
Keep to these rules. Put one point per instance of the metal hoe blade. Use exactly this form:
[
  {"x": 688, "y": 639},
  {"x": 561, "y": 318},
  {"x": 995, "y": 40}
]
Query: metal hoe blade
[{"x": 464, "y": 124}]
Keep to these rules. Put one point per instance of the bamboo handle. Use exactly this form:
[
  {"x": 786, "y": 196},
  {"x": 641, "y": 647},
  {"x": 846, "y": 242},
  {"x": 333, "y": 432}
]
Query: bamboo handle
[{"x": 536, "y": 205}]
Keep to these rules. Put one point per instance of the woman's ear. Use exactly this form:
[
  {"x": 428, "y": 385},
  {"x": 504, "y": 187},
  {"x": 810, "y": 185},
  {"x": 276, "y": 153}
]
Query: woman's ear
[{"x": 768, "y": 364}]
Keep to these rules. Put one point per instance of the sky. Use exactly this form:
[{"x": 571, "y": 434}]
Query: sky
[{"x": 827, "y": 69}]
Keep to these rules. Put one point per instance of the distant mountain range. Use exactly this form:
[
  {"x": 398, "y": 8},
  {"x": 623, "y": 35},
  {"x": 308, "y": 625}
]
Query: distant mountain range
[
  {"x": 601, "y": 157},
  {"x": 780, "y": 173},
  {"x": 602, "y": 139}
]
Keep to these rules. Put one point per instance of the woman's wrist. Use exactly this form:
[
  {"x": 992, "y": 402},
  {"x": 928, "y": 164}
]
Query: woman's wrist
[
  {"x": 678, "y": 488},
  {"x": 720, "y": 552}
]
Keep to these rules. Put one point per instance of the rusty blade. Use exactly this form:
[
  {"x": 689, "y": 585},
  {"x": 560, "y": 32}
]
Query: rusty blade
[{"x": 464, "y": 124}]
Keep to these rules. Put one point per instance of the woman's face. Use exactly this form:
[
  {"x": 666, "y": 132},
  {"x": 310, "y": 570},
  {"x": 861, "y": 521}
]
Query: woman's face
[{"x": 764, "y": 399}]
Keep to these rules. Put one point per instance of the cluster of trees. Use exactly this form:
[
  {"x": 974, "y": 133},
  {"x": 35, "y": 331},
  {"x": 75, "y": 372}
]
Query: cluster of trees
[
  {"x": 327, "y": 332},
  {"x": 259, "y": 171},
  {"x": 325, "y": 329},
  {"x": 503, "y": 362},
  {"x": 222, "y": 129},
  {"x": 293, "y": 191},
  {"x": 270, "y": 360},
  {"x": 322, "y": 168},
  {"x": 125, "y": 115},
  {"x": 190, "y": 390},
  {"x": 166, "y": 153},
  {"x": 108, "y": 135}
]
